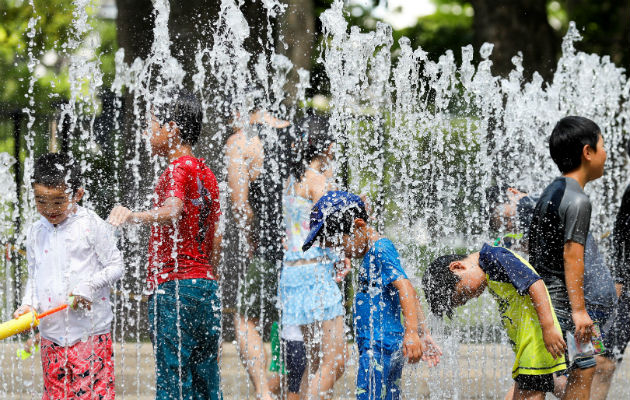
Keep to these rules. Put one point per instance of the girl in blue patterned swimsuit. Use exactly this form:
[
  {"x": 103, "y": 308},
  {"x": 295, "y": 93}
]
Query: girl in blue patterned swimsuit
[{"x": 309, "y": 296}]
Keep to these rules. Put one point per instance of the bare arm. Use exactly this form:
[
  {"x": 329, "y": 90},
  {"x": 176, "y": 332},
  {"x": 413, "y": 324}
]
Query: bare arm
[
  {"x": 217, "y": 242},
  {"x": 409, "y": 305},
  {"x": 551, "y": 336},
  {"x": 574, "y": 279},
  {"x": 238, "y": 183},
  {"x": 167, "y": 214},
  {"x": 618, "y": 288}
]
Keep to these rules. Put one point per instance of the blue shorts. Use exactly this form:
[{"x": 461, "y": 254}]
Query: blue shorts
[{"x": 379, "y": 374}]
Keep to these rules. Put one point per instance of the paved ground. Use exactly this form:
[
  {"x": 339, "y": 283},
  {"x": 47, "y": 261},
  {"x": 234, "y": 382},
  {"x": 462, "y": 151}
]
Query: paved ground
[{"x": 483, "y": 372}]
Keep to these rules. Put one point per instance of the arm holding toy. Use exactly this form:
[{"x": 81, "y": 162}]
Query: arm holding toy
[{"x": 551, "y": 336}]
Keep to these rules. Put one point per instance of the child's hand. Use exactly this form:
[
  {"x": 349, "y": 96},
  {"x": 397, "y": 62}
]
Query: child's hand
[
  {"x": 23, "y": 310},
  {"x": 583, "y": 326},
  {"x": 554, "y": 343},
  {"x": 119, "y": 216},
  {"x": 412, "y": 348},
  {"x": 345, "y": 270},
  {"x": 431, "y": 352},
  {"x": 80, "y": 302}
]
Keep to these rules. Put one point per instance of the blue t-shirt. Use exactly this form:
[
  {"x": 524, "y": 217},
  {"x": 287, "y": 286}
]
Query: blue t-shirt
[{"x": 377, "y": 303}]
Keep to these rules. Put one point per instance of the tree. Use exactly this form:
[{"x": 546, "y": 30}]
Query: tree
[
  {"x": 605, "y": 26},
  {"x": 516, "y": 25}
]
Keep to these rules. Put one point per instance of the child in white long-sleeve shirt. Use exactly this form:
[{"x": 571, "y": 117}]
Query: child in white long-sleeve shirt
[{"x": 71, "y": 252}]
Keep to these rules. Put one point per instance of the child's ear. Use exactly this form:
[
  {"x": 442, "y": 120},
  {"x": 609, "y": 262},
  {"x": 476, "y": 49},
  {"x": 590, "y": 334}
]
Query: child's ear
[
  {"x": 78, "y": 195},
  {"x": 587, "y": 152},
  {"x": 456, "y": 266},
  {"x": 172, "y": 127},
  {"x": 359, "y": 223}
]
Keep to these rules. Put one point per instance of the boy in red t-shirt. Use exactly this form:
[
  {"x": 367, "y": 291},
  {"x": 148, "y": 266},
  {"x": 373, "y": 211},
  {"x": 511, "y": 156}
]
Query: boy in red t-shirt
[{"x": 184, "y": 249}]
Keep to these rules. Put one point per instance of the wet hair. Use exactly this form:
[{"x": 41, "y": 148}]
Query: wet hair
[
  {"x": 568, "y": 139},
  {"x": 342, "y": 222},
  {"x": 185, "y": 111},
  {"x": 56, "y": 170},
  {"x": 312, "y": 139},
  {"x": 439, "y": 283}
]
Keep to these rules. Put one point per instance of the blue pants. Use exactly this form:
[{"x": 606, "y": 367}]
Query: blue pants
[
  {"x": 187, "y": 358},
  {"x": 379, "y": 374}
]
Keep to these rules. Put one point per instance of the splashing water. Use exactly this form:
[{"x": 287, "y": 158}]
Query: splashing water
[{"x": 422, "y": 138}]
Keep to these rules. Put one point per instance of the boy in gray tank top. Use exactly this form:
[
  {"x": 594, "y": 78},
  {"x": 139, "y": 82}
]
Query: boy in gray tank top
[{"x": 558, "y": 232}]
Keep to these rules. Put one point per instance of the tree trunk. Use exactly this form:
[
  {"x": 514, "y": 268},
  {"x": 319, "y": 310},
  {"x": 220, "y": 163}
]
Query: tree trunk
[
  {"x": 134, "y": 27},
  {"x": 297, "y": 38},
  {"x": 513, "y": 26}
]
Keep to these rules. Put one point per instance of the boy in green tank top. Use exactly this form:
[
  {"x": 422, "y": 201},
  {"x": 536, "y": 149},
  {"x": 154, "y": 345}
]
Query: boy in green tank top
[{"x": 523, "y": 301}]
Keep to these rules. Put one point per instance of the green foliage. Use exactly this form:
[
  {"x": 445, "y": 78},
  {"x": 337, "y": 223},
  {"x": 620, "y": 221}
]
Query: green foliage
[
  {"x": 52, "y": 30},
  {"x": 439, "y": 32}
]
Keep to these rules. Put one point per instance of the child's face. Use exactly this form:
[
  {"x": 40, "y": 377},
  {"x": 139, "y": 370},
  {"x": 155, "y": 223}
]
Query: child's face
[
  {"x": 472, "y": 279},
  {"x": 161, "y": 136},
  {"x": 597, "y": 159},
  {"x": 353, "y": 245},
  {"x": 55, "y": 203}
]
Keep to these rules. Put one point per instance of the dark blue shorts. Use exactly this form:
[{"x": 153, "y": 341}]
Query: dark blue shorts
[
  {"x": 295, "y": 355},
  {"x": 379, "y": 373}
]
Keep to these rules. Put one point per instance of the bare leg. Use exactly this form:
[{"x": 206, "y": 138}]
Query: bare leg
[
  {"x": 275, "y": 383},
  {"x": 520, "y": 394},
  {"x": 579, "y": 384},
  {"x": 333, "y": 361},
  {"x": 559, "y": 386},
  {"x": 604, "y": 372},
  {"x": 311, "y": 346},
  {"x": 510, "y": 393},
  {"x": 252, "y": 353}
]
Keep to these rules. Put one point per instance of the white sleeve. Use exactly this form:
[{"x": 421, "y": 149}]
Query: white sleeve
[
  {"x": 110, "y": 260},
  {"x": 29, "y": 297}
]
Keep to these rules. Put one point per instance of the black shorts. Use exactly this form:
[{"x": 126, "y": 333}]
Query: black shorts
[
  {"x": 541, "y": 383},
  {"x": 618, "y": 334}
]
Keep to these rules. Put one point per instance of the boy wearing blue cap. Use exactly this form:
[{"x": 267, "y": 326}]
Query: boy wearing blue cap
[{"x": 339, "y": 220}]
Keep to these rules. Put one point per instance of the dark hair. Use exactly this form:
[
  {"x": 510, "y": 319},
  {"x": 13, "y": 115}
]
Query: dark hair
[
  {"x": 439, "y": 283},
  {"x": 568, "y": 139},
  {"x": 56, "y": 170},
  {"x": 185, "y": 111},
  {"x": 341, "y": 222},
  {"x": 312, "y": 139}
]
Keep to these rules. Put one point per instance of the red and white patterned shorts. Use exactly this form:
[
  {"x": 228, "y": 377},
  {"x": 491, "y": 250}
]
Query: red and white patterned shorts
[{"x": 84, "y": 371}]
